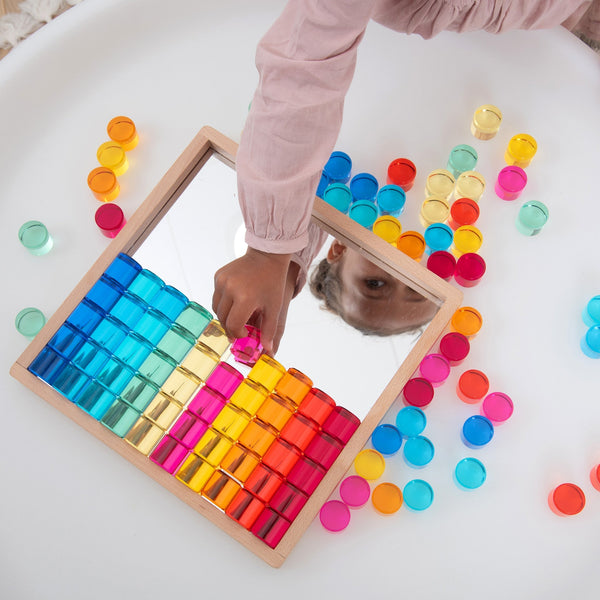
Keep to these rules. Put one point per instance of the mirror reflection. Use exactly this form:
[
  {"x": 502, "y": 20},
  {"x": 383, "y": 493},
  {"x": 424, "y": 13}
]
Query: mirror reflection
[{"x": 349, "y": 329}]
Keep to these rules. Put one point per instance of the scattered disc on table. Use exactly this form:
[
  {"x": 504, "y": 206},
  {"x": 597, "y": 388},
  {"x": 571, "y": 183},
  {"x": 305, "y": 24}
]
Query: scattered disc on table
[
  {"x": 470, "y": 269},
  {"x": 567, "y": 499},
  {"x": 355, "y": 491},
  {"x": 590, "y": 342},
  {"x": 442, "y": 263},
  {"x": 334, "y": 515},
  {"x": 466, "y": 320},
  {"x": 30, "y": 321},
  {"x": 435, "y": 368},
  {"x": 595, "y": 477},
  {"x": 470, "y": 473},
  {"x": 532, "y": 217},
  {"x": 369, "y": 464},
  {"x": 486, "y": 121},
  {"x": 387, "y": 498},
  {"x": 497, "y": 407},
  {"x": 591, "y": 312},
  {"x": 411, "y": 421},
  {"x": 386, "y": 439},
  {"x": 455, "y": 347},
  {"x": 418, "y": 391},
  {"x": 418, "y": 494},
  {"x": 464, "y": 211},
  {"x": 467, "y": 238},
  {"x": 477, "y": 431},
  {"x": 418, "y": 451},
  {"x": 472, "y": 386}
]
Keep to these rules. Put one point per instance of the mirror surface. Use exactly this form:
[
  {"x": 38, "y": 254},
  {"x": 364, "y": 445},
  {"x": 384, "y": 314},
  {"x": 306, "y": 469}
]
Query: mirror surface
[{"x": 204, "y": 230}]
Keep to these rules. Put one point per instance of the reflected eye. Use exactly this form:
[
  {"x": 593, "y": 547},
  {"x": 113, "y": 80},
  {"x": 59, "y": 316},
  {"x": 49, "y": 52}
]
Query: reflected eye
[{"x": 374, "y": 284}]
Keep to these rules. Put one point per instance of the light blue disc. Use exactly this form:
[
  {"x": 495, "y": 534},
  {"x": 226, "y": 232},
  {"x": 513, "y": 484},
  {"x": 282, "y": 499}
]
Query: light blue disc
[
  {"x": 418, "y": 451},
  {"x": 470, "y": 473},
  {"x": 339, "y": 196},
  {"x": 386, "y": 439},
  {"x": 590, "y": 342},
  {"x": 417, "y": 494},
  {"x": 411, "y": 421},
  {"x": 591, "y": 313},
  {"x": 438, "y": 236},
  {"x": 363, "y": 212}
]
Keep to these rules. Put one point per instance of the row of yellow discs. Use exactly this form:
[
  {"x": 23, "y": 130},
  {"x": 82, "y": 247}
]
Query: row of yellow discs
[
  {"x": 441, "y": 187},
  {"x": 113, "y": 159}
]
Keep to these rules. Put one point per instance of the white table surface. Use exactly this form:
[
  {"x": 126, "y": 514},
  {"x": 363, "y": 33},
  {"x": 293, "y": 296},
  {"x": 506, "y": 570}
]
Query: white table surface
[{"x": 76, "y": 520}]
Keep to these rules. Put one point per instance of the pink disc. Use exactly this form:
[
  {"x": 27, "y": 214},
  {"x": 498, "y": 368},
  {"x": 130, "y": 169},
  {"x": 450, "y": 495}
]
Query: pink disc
[
  {"x": 355, "y": 491},
  {"x": 334, "y": 515},
  {"x": 435, "y": 368},
  {"x": 497, "y": 407},
  {"x": 510, "y": 183}
]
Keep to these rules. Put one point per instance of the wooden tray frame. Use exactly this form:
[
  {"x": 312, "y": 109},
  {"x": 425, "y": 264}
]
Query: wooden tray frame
[{"x": 209, "y": 142}]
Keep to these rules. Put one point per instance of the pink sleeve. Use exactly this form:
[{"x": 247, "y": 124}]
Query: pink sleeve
[{"x": 306, "y": 63}]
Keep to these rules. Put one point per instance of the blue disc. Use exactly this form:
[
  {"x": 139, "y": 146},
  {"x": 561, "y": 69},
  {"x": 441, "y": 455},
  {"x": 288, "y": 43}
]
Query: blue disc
[
  {"x": 418, "y": 451},
  {"x": 438, "y": 236},
  {"x": 418, "y": 494},
  {"x": 470, "y": 473},
  {"x": 411, "y": 421},
  {"x": 477, "y": 431},
  {"x": 364, "y": 186},
  {"x": 338, "y": 167},
  {"x": 386, "y": 439}
]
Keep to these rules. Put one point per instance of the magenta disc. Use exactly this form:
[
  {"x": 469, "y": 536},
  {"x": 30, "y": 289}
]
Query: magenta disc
[
  {"x": 334, "y": 515},
  {"x": 497, "y": 407},
  {"x": 355, "y": 491},
  {"x": 435, "y": 368}
]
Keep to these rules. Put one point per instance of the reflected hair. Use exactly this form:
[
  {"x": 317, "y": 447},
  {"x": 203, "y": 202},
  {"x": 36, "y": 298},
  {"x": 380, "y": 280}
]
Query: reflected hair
[{"x": 326, "y": 285}]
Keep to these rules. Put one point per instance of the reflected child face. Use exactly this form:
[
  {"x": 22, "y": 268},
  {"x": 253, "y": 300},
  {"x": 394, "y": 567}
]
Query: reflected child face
[{"x": 373, "y": 300}]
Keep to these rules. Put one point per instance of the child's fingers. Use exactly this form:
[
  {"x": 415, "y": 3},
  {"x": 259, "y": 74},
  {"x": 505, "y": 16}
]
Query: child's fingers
[{"x": 237, "y": 316}]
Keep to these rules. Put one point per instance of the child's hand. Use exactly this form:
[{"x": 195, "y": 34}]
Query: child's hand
[{"x": 251, "y": 289}]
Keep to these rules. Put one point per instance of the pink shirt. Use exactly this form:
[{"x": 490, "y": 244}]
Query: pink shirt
[{"x": 306, "y": 62}]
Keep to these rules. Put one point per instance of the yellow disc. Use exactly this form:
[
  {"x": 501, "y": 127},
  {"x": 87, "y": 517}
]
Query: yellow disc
[
  {"x": 434, "y": 209},
  {"x": 466, "y": 320},
  {"x": 470, "y": 184},
  {"x": 369, "y": 464},
  {"x": 388, "y": 228},
  {"x": 112, "y": 155},
  {"x": 439, "y": 183},
  {"x": 467, "y": 239},
  {"x": 387, "y": 498},
  {"x": 486, "y": 122},
  {"x": 521, "y": 149}
]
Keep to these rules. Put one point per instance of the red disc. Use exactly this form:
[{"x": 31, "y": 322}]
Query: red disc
[
  {"x": 472, "y": 386},
  {"x": 442, "y": 263},
  {"x": 418, "y": 392},
  {"x": 402, "y": 172},
  {"x": 463, "y": 211},
  {"x": 455, "y": 347},
  {"x": 568, "y": 499}
]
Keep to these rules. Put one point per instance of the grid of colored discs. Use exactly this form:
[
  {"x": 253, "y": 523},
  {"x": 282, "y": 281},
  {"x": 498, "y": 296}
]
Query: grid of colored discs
[{"x": 142, "y": 359}]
